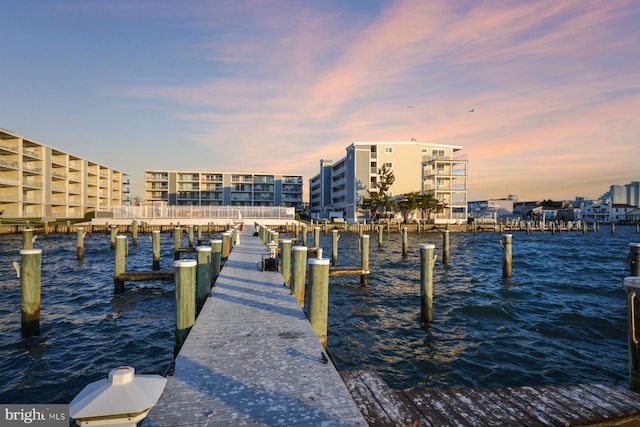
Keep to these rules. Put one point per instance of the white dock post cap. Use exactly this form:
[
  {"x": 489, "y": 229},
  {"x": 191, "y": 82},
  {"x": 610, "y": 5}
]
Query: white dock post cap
[
  {"x": 122, "y": 398},
  {"x": 634, "y": 245},
  {"x": 216, "y": 241},
  {"x": 185, "y": 263},
  {"x": 632, "y": 282},
  {"x": 30, "y": 251},
  {"x": 299, "y": 248},
  {"x": 427, "y": 246},
  {"x": 203, "y": 248},
  {"x": 285, "y": 241},
  {"x": 319, "y": 261}
]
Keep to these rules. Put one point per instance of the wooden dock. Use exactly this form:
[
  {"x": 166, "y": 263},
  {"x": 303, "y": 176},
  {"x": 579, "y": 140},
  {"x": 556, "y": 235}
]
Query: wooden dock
[
  {"x": 555, "y": 405},
  {"x": 252, "y": 358}
]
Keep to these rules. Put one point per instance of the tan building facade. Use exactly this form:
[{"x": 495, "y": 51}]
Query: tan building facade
[
  {"x": 41, "y": 182},
  {"x": 417, "y": 166}
]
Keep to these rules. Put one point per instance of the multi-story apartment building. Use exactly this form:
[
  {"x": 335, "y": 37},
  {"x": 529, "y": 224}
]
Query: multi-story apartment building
[
  {"x": 38, "y": 181},
  {"x": 417, "y": 166},
  {"x": 198, "y": 188}
]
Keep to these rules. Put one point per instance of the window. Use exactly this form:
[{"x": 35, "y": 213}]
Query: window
[
  {"x": 388, "y": 150},
  {"x": 437, "y": 153},
  {"x": 388, "y": 165}
]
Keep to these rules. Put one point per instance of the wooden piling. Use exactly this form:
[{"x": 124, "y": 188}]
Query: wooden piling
[
  {"x": 316, "y": 237},
  {"x": 120, "y": 262},
  {"x": 364, "y": 259},
  {"x": 80, "y": 243},
  {"x": 334, "y": 247},
  {"x": 177, "y": 238},
  {"x": 299, "y": 262},
  {"x": 506, "y": 255},
  {"x": 445, "y": 246},
  {"x": 613, "y": 228},
  {"x": 226, "y": 245},
  {"x": 216, "y": 259},
  {"x": 155, "y": 248},
  {"x": 27, "y": 238},
  {"x": 113, "y": 230},
  {"x": 319, "y": 297},
  {"x": 426, "y": 281},
  {"x": 380, "y": 231},
  {"x": 304, "y": 234},
  {"x": 632, "y": 284},
  {"x": 285, "y": 265},
  {"x": 191, "y": 235},
  {"x": 134, "y": 232},
  {"x": 203, "y": 274},
  {"x": 30, "y": 283},
  {"x": 405, "y": 242},
  {"x": 185, "y": 280},
  {"x": 634, "y": 259}
]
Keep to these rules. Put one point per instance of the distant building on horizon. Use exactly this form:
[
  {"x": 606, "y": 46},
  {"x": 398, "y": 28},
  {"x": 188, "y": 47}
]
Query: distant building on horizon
[
  {"x": 340, "y": 186},
  {"x": 628, "y": 194},
  {"x": 41, "y": 182}
]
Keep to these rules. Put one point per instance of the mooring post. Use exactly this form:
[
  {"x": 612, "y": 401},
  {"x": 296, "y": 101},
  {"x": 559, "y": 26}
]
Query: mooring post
[
  {"x": 613, "y": 228},
  {"x": 304, "y": 234},
  {"x": 285, "y": 265},
  {"x": 80, "y": 244},
  {"x": 445, "y": 246},
  {"x": 27, "y": 238},
  {"x": 632, "y": 285},
  {"x": 203, "y": 274},
  {"x": 177, "y": 238},
  {"x": 364, "y": 259},
  {"x": 190, "y": 234},
  {"x": 134, "y": 232},
  {"x": 299, "y": 261},
  {"x": 380, "y": 230},
  {"x": 634, "y": 259},
  {"x": 506, "y": 255},
  {"x": 319, "y": 297},
  {"x": 113, "y": 230},
  {"x": 120, "y": 262},
  {"x": 584, "y": 227},
  {"x": 30, "y": 283},
  {"x": 185, "y": 281},
  {"x": 216, "y": 256},
  {"x": 155, "y": 248},
  {"x": 426, "y": 281},
  {"x": 316, "y": 237},
  {"x": 226, "y": 245},
  {"x": 405, "y": 243},
  {"x": 334, "y": 247}
]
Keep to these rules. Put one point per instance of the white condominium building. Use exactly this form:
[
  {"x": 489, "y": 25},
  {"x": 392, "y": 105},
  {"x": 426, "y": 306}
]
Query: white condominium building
[
  {"x": 340, "y": 186},
  {"x": 43, "y": 183},
  {"x": 199, "y": 188}
]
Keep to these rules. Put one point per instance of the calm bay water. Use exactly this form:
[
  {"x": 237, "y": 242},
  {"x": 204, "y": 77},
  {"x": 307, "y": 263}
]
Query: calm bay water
[{"x": 561, "y": 318}]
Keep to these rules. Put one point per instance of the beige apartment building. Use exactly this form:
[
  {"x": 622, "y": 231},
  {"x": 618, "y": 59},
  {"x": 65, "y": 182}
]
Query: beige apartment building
[
  {"x": 200, "y": 188},
  {"x": 42, "y": 182},
  {"x": 340, "y": 186}
]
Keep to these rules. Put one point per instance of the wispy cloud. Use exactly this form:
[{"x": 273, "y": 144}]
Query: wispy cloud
[{"x": 279, "y": 85}]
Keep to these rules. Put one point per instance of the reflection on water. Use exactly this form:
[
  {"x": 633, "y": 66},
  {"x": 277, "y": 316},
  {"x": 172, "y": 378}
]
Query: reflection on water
[{"x": 561, "y": 317}]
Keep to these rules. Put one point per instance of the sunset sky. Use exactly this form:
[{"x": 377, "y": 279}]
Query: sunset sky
[{"x": 275, "y": 86}]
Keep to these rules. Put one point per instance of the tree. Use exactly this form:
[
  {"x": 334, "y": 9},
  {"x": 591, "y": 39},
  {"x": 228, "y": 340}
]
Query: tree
[
  {"x": 428, "y": 204},
  {"x": 409, "y": 203},
  {"x": 379, "y": 198}
]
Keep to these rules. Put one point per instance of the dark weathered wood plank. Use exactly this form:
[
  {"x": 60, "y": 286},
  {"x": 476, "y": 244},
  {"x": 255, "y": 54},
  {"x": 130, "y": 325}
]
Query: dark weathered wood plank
[
  {"x": 137, "y": 276},
  {"x": 379, "y": 404}
]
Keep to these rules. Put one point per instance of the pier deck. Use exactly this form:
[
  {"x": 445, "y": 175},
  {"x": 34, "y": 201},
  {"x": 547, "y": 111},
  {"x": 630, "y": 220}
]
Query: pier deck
[
  {"x": 252, "y": 358},
  {"x": 554, "y": 405}
]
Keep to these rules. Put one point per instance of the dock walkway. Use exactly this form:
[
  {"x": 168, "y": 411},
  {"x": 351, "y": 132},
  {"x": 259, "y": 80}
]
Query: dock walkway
[{"x": 252, "y": 359}]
